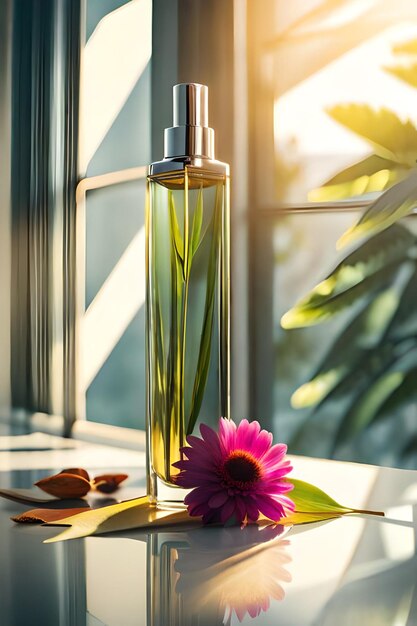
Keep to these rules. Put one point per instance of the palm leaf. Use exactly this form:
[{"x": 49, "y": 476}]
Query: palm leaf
[
  {"x": 386, "y": 380},
  {"x": 404, "y": 393},
  {"x": 362, "y": 271},
  {"x": 406, "y": 47},
  {"x": 364, "y": 332},
  {"x": 372, "y": 174},
  {"x": 404, "y": 322},
  {"x": 406, "y": 73},
  {"x": 389, "y": 136},
  {"x": 396, "y": 203}
]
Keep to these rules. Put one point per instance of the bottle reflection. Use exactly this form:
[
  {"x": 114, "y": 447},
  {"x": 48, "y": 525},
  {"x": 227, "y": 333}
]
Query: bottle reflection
[{"x": 208, "y": 576}]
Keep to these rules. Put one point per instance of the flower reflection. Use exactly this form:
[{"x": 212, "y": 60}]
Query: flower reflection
[{"x": 232, "y": 570}]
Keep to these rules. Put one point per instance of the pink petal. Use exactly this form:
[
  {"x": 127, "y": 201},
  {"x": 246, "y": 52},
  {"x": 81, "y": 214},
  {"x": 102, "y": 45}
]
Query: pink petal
[
  {"x": 240, "y": 508},
  {"x": 227, "y": 434},
  {"x": 227, "y": 510},
  {"x": 273, "y": 488},
  {"x": 210, "y": 436},
  {"x": 287, "y": 502},
  {"x": 200, "y": 494},
  {"x": 197, "y": 510},
  {"x": 246, "y": 434},
  {"x": 275, "y": 473},
  {"x": 212, "y": 447},
  {"x": 196, "y": 479},
  {"x": 275, "y": 454},
  {"x": 181, "y": 464},
  {"x": 240, "y": 613},
  {"x": 270, "y": 508},
  {"x": 202, "y": 457},
  {"x": 218, "y": 500},
  {"x": 252, "y": 509},
  {"x": 262, "y": 444},
  {"x": 254, "y": 610}
]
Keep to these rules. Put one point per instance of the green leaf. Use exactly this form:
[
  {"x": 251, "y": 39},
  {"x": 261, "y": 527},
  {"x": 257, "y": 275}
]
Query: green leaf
[
  {"x": 404, "y": 322},
  {"x": 391, "y": 206},
  {"x": 406, "y": 73},
  {"x": 310, "y": 499},
  {"x": 204, "y": 354},
  {"x": 390, "y": 137},
  {"x": 197, "y": 223},
  {"x": 364, "y": 332},
  {"x": 369, "y": 175},
  {"x": 382, "y": 382},
  {"x": 362, "y": 271},
  {"x": 175, "y": 230},
  {"x": 403, "y": 394},
  {"x": 410, "y": 447}
]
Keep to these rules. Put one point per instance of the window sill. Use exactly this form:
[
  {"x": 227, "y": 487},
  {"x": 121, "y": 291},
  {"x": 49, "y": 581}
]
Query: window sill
[{"x": 82, "y": 430}]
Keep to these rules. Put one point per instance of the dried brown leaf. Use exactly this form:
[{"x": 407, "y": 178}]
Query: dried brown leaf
[
  {"x": 79, "y": 471},
  {"x": 65, "y": 485},
  {"x": 107, "y": 483}
]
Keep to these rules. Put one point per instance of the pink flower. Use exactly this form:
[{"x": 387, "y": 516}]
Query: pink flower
[
  {"x": 235, "y": 474},
  {"x": 231, "y": 572}
]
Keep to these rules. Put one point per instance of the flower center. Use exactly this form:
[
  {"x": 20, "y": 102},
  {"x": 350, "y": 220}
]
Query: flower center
[{"x": 241, "y": 469}]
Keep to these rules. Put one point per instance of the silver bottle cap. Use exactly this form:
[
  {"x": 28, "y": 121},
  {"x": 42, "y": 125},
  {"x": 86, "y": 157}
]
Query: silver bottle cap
[{"x": 190, "y": 136}]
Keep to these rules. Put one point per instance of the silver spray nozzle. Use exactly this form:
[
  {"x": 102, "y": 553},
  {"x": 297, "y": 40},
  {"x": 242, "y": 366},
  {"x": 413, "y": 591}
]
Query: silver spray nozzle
[
  {"x": 190, "y": 105},
  {"x": 190, "y": 135}
]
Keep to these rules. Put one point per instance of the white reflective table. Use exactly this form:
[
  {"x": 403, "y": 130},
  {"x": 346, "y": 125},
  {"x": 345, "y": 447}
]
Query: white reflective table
[{"x": 353, "y": 571}]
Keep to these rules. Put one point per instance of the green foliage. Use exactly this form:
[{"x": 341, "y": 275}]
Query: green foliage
[
  {"x": 362, "y": 272},
  {"x": 393, "y": 141},
  {"x": 389, "y": 136},
  {"x": 370, "y": 369},
  {"x": 391, "y": 206},
  {"x": 204, "y": 354},
  {"x": 175, "y": 418},
  {"x": 374, "y": 173}
]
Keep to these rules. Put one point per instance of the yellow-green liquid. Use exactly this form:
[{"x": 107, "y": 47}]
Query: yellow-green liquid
[{"x": 187, "y": 312}]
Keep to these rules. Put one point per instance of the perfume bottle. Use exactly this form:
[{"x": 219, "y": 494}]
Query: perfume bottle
[{"x": 188, "y": 291}]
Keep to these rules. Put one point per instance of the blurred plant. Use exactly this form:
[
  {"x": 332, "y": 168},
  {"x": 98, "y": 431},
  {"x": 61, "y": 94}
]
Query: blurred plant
[
  {"x": 369, "y": 371},
  {"x": 370, "y": 368},
  {"x": 394, "y": 141}
]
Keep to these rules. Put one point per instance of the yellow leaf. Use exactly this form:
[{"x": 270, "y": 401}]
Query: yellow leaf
[{"x": 137, "y": 513}]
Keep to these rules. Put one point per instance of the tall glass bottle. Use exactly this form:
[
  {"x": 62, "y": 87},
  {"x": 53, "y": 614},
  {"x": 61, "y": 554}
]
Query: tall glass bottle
[{"x": 188, "y": 291}]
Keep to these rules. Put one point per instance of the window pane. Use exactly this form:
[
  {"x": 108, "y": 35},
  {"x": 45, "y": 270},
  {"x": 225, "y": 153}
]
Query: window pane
[
  {"x": 115, "y": 98},
  {"x": 117, "y": 394},
  {"x": 114, "y": 216},
  {"x": 345, "y": 385},
  {"x": 112, "y": 336}
]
